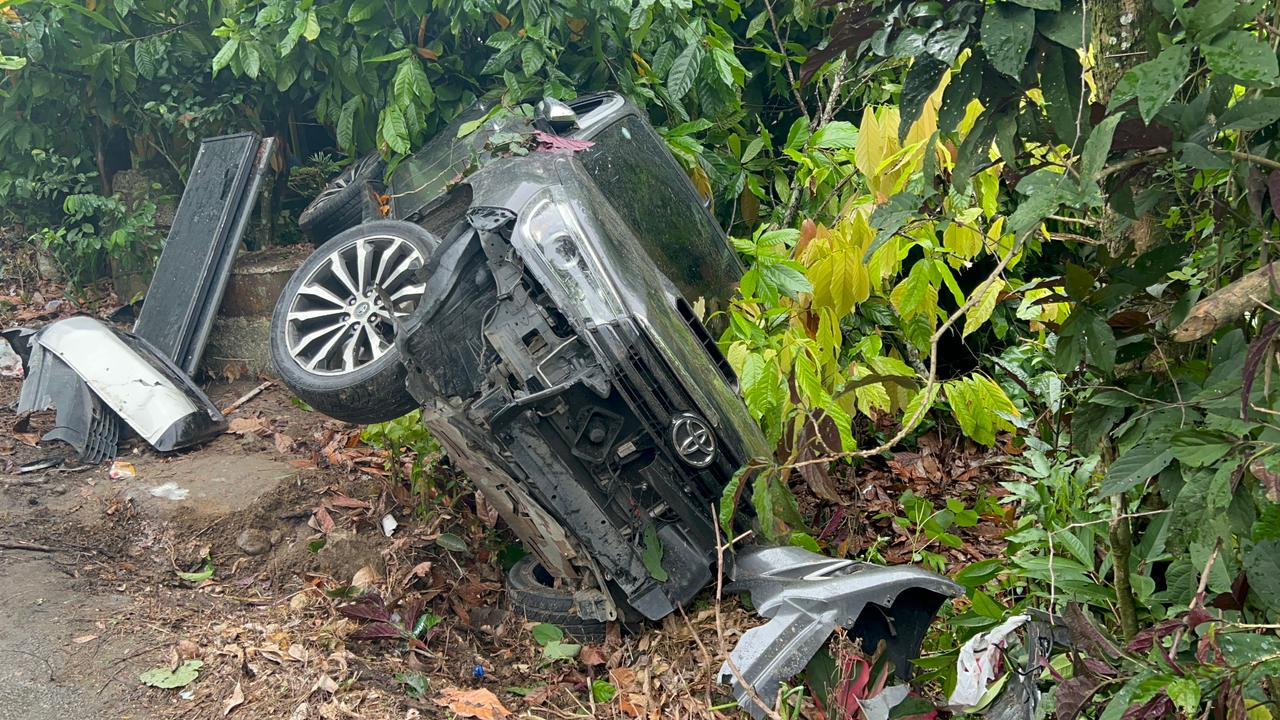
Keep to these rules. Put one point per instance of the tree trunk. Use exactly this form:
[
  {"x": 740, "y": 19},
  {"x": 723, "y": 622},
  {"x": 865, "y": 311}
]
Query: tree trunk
[{"x": 1118, "y": 44}]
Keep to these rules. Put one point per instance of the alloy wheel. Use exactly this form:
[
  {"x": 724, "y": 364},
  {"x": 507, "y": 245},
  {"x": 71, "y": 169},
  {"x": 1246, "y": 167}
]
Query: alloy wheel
[{"x": 338, "y": 322}]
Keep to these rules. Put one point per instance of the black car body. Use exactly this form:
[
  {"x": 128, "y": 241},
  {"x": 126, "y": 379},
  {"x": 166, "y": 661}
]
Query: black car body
[
  {"x": 561, "y": 346},
  {"x": 593, "y": 385}
]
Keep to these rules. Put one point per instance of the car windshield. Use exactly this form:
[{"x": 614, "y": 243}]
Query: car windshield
[
  {"x": 425, "y": 175},
  {"x": 656, "y": 199}
]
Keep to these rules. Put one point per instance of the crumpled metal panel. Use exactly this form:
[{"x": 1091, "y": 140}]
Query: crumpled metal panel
[
  {"x": 806, "y": 596},
  {"x": 135, "y": 381}
]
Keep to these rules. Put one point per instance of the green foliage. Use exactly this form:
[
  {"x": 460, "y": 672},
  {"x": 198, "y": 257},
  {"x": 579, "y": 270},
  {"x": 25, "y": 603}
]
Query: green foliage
[
  {"x": 411, "y": 456},
  {"x": 168, "y": 679},
  {"x": 552, "y": 640}
]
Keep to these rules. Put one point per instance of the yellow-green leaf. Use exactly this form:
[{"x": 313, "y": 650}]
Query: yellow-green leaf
[
  {"x": 839, "y": 278},
  {"x": 981, "y": 311}
]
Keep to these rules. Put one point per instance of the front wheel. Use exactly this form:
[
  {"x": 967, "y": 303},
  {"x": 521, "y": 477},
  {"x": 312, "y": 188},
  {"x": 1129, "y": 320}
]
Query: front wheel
[{"x": 333, "y": 336}]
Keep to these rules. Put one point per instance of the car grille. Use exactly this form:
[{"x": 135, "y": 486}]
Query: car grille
[{"x": 655, "y": 394}]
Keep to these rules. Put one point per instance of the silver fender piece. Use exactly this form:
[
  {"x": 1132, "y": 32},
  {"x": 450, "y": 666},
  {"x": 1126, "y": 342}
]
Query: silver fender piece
[
  {"x": 135, "y": 381},
  {"x": 806, "y": 596}
]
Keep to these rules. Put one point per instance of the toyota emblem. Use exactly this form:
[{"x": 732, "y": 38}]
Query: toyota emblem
[{"x": 693, "y": 440}]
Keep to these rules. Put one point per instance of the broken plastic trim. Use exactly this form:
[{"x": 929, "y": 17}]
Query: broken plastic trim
[
  {"x": 134, "y": 380},
  {"x": 807, "y": 596}
]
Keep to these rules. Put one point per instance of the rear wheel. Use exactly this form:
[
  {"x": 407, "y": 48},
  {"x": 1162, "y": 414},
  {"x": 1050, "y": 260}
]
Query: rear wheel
[
  {"x": 532, "y": 594},
  {"x": 341, "y": 204},
  {"x": 332, "y": 333}
]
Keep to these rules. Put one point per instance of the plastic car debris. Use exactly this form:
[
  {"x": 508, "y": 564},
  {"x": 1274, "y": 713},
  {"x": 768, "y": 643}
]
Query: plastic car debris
[
  {"x": 806, "y": 596},
  {"x": 81, "y": 421},
  {"x": 195, "y": 266},
  {"x": 93, "y": 373}
]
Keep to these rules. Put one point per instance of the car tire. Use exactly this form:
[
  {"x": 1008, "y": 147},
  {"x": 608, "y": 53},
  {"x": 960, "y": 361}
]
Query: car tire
[
  {"x": 332, "y": 341},
  {"x": 531, "y": 595},
  {"x": 340, "y": 205}
]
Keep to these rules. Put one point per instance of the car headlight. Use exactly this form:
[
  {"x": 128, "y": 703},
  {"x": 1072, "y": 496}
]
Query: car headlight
[{"x": 556, "y": 235}]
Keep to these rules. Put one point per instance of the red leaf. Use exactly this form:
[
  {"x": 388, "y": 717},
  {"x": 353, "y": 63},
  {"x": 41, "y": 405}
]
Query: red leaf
[
  {"x": 1273, "y": 188},
  {"x": 548, "y": 143},
  {"x": 378, "y": 631},
  {"x": 369, "y": 607}
]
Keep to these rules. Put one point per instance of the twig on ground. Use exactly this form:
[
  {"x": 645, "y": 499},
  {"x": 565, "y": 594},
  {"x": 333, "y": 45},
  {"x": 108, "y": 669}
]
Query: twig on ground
[
  {"x": 246, "y": 398},
  {"x": 31, "y": 547},
  {"x": 721, "y": 546}
]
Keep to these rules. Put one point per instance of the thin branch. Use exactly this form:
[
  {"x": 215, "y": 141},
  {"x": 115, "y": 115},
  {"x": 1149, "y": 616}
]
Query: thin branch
[
  {"x": 786, "y": 60},
  {"x": 721, "y": 546},
  {"x": 1078, "y": 221},
  {"x": 1255, "y": 159}
]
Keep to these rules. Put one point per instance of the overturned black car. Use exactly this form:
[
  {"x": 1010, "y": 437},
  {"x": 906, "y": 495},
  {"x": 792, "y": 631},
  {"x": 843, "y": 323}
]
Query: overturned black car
[{"x": 546, "y": 288}]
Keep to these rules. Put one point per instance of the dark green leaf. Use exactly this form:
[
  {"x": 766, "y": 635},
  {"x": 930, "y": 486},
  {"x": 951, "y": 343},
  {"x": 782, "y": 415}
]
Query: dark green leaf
[
  {"x": 1199, "y": 157},
  {"x": 1135, "y": 466},
  {"x": 1154, "y": 82},
  {"x": 1096, "y": 149},
  {"x": 945, "y": 43},
  {"x": 1068, "y": 27},
  {"x": 922, "y": 79},
  {"x": 1060, "y": 84},
  {"x": 144, "y": 58},
  {"x": 1053, "y": 5},
  {"x": 962, "y": 89},
  {"x": 346, "y": 123},
  {"x": 1262, "y": 565},
  {"x": 1241, "y": 55},
  {"x": 684, "y": 70},
  {"x": 1007, "y": 30},
  {"x": 394, "y": 130},
  {"x": 1206, "y": 16},
  {"x": 835, "y": 135},
  {"x": 1251, "y": 114},
  {"x": 1200, "y": 447}
]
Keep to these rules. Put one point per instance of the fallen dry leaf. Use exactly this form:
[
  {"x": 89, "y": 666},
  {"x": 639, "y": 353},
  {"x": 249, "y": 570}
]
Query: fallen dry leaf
[
  {"x": 366, "y": 577},
  {"x": 479, "y": 703},
  {"x": 244, "y": 426},
  {"x": 349, "y": 502},
  {"x": 233, "y": 702},
  {"x": 84, "y": 639},
  {"x": 623, "y": 678},
  {"x": 284, "y": 443},
  {"x": 591, "y": 655},
  {"x": 326, "y": 684},
  {"x": 323, "y": 520}
]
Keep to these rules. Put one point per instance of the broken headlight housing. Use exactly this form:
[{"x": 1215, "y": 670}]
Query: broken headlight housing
[{"x": 557, "y": 236}]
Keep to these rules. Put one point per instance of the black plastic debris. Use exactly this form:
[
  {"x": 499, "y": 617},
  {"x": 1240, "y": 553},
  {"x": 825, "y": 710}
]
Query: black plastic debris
[{"x": 195, "y": 266}]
